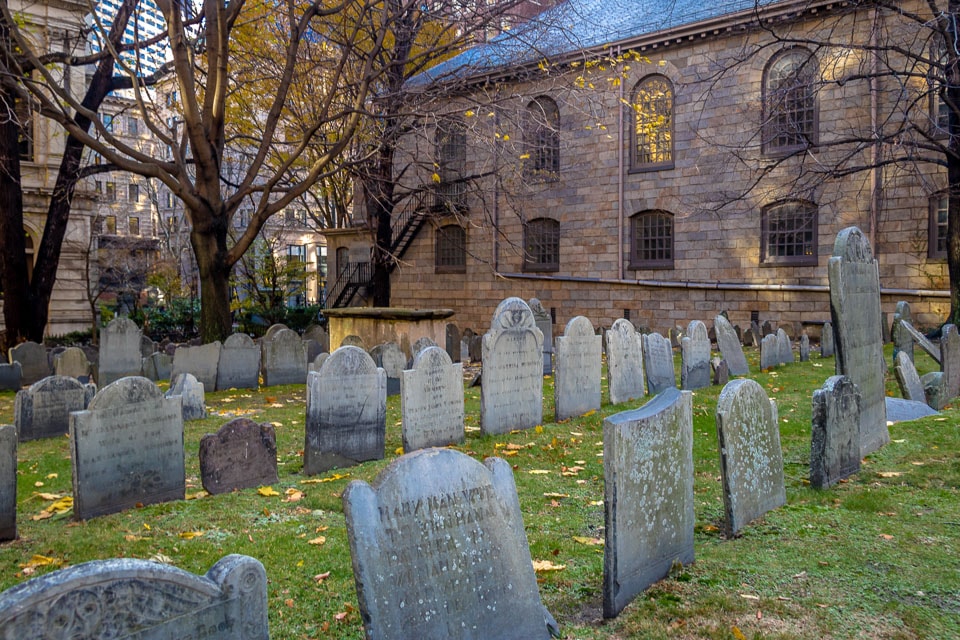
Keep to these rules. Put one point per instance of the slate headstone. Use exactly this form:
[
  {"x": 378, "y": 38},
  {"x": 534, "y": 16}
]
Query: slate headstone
[
  {"x": 729, "y": 346},
  {"x": 624, "y": 362},
  {"x": 239, "y": 366},
  {"x": 784, "y": 347},
  {"x": 804, "y": 347},
  {"x": 11, "y": 376},
  {"x": 8, "y": 482},
  {"x": 201, "y": 362},
  {"x": 390, "y": 357},
  {"x": 576, "y": 388},
  {"x": 283, "y": 359},
  {"x": 826, "y": 340},
  {"x": 902, "y": 340},
  {"x": 544, "y": 322},
  {"x": 695, "y": 357},
  {"x": 452, "y": 337},
  {"x": 910, "y": 385},
  {"x": 432, "y": 401},
  {"x": 43, "y": 409},
  {"x": 191, "y": 392},
  {"x": 119, "y": 351},
  {"x": 658, "y": 363},
  {"x": 835, "y": 440},
  {"x": 33, "y": 361},
  {"x": 72, "y": 362},
  {"x": 240, "y": 455},
  {"x": 769, "y": 352}
]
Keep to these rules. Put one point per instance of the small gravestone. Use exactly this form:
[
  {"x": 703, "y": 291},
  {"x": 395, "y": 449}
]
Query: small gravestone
[
  {"x": 910, "y": 385},
  {"x": 695, "y": 357},
  {"x": 239, "y": 366},
  {"x": 452, "y": 341},
  {"x": 240, "y": 455},
  {"x": 751, "y": 461},
  {"x": 72, "y": 362},
  {"x": 157, "y": 367},
  {"x": 43, "y": 410},
  {"x": 200, "y": 361},
  {"x": 769, "y": 352},
  {"x": 730, "y": 347},
  {"x": 127, "y": 449},
  {"x": 319, "y": 334},
  {"x": 318, "y": 362},
  {"x": 274, "y": 330},
  {"x": 346, "y": 412},
  {"x": 950, "y": 359},
  {"x": 544, "y": 322},
  {"x": 721, "y": 372},
  {"x": 902, "y": 340},
  {"x": 191, "y": 392},
  {"x": 835, "y": 446},
  {"x": 511, "y": 396},
  {"x": 11, "y": 376},
  {"x": 432, "y": 401},
  {"x": 439, "y": 551},
  {"x": 826, "y": 340},
  {"x": 390, "y": 357},
  {"x": 624, "y": 362},
  {"x": 658, "y": 363},
  {"x": 576, "y": 388},
  {"x": 8, "y": 482},
  {"x": 128, "y": 598},
  {"x": 419, "y": 345},
  {"x": 784, "y": 347},
  {"x": 648, "y": 498},
  {"x": 33, "y": 361},
  {"x": 804, "y": 347},
  {"x": 283, "y": 359},
  {"x": 119, "y": 351},
  {"x": 353, "y": 341}
]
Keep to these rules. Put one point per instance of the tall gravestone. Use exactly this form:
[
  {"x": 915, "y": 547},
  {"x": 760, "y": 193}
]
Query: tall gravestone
[
  {"x": 855, "y": 312},
  {"x": 751, "y": 461},
  {"x": 201, "y": 362},
  {"x": 695, "y": 357},
  {"x": 127, "y": 449},
  {"x": 192, "y": 397},
  {"x": 283, "y": 358},
  {"x": 240, "y": 455},
  {"x": 729, "y": 345},
  {"x": 769, "y": 352},
  {"x": 835, "y": 439},
  {"x": 624, "y": 362},
  {"x": 43, "y": 410},
  {"x": 826, "y": 341},
  {"x": 658, "y": 363},
  {"x": 439, "y": 551},
  {"x": 431, "y": 401},
  {"x": 119, "y": 351},
  {"x": 544, "y": 322},
  {"x": 784, "y": 347},
  {"x": 72, "y": 362},
  {"x": 511, "y": 396},
  {"x": 576, "y": 387},
  {"x": 239, "y": 365},
  {"x": 33, "y": 361},
  {"x": 346, "y": 412},
  {"x": 8, "y": 482},
  {"x": 648, "y": 497},
  {"x": 902, "y": 340}
]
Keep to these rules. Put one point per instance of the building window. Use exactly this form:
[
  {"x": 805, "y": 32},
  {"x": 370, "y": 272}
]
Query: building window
[
  {"x": 937, "y": 240},
  {"x": 541, "y": 129},
  {"x": 789, "y": 234},
  {"x": 541, "y": 243},
  {"x": 111, "y": 193},
  {"x": 652, "y": 103},
  {"x": 110, "y": 225},
  {"x": 451, "y": 165},
  {"x": 451, "y": 249},
  {"x": 133, "y": 193},
  {"x": 790, "y": 102},
  {"x": 134, "y": 226},
  {"x": 651, "y": 240}
]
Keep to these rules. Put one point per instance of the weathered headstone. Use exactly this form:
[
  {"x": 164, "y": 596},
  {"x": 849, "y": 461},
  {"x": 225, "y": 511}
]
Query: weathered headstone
[
  {"x": 43, "y": 410},
  {"x": 950, "y": 359},
  {"x": 72, "y": 362},
  {"x": 8, "y": 482},
  {"x": 730, "y": 347},
  {"x": 319, "y": 334},
  {"x": 576, "y": 388},
  {"x": 200, "y": 361},
  {"x": 346, "y": 412},
  {"x": 432, "y": 401},
  {"x": 239, "y": 366},
  {"x": 127, "y": 449},
  {"x": 439, "y": 551},
  {"x": 283, "y": 359},
  {"x": 511, "y": 396},
  {"x": 128, "y": 598},
  {"x": 695, "y": 357},
  {"x": 658, "y": 363},
  {"x": 769, "y": 352},
  {"x": 390, "y": 357},
  {"x": 910, "y": 385},
  {"x": 902, "y": 340},
  {"x": 33, "y": 361},
  {"x": 11, "y": 376},
  {"x": 624, "y": 362},
  {"x": 855, "y": 311},
  {"x": 452, "y": 337},
  {"x": 119, "y": 351},
  {"x": 353, "y": 341},
  {"x": 826, "y": 340},
  {"x": 721, "y": 372},
  {"x": 804, "y": 347},
  {"x": 544, "y": 322},
  {"x": 648, "y": 497},
  {"x": 835, "y": 442},
  {"x": 784, "y": 347},
  {"x": 240, "y": 455},
  {"x": 192, "y": 397},
  {"x": 751, "y": 461}
]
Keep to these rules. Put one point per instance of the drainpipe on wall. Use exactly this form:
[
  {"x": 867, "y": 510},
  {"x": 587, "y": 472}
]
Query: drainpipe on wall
[
  {"x": 620, "y": 187},
  {"x": 876, "y": 184}
]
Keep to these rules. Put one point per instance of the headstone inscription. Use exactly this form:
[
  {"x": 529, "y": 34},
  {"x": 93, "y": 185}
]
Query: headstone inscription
[
  {"x": 127, "y": 449},
  {"x": 431, "y": 401},
  {"x": 11, "y": 377},
  {"x": 8, "y": 482},
  {"x": 43, "y": 410},
  {"x": 624, "y": 362},
  {"x": 33, "y": 361},
  {"x": 658, "y": 363},
  {"x": 648, "y": 497},
  {"x": 835, "y": 439},
  {"x": 439, "y": 551},
  {"x": 544, "y": 322},
  {"x": 695, "y": 357},
  {"x": 283, "y": 360},
  {"x": 910, "y": 385},
  {"x": 72, "y": 362},
  {"x": 784, "y": 347},
  {"x": 751, "y": 461},
  {"x": 119, "y": 351},
  {"x": 576, "y": 387},
  {"x": 239, "y": 366},
  {"x": 128, "y": 598},
  {"x": 729, "y": 345},
  {"x": 240, "y": 455},
  {"x": 192, "y": 397},
  {"x": 902, "y": 340},
  {"x": 201, "y": 362}
]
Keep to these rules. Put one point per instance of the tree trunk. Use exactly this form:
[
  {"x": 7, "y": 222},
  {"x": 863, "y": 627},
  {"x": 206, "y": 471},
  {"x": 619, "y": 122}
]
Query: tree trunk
[{"x": 210, "y": 248}]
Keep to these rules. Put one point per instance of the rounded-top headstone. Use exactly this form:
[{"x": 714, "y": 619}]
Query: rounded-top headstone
[
  {"x": 348, "y": 360},
  {"x": 125, "y": 391},
  {"x": 512, "y": 314}
]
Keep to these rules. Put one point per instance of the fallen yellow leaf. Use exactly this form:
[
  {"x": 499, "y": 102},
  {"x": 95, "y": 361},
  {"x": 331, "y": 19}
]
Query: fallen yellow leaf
[{"x": 267, "y": 492}]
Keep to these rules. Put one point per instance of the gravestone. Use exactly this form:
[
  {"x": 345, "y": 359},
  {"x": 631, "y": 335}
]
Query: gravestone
[
  {"x": 721, "y": 372},
  {"x": 576, "y": 388},
  {"x": 784, "y": 347},
  {"x": 353, "y": 341},
  {"x": 390, "y": 357},
  {"x": 43, "y": 410},
  {"x": 346, "y": 412},
  {"x": 826, "y": 340},
  {"x": 902, "y": 340},
  {"x": 950, "y": 359},
  {"x": 730, "y": 347},
  {"x": 128, "y": 598},
  {"x": 439, "y": 551},
  {"x": 751, "y": 461},
  {"x": 192, "y": 398},
  {"x": 240, "y": 455},
  {"x": 11, "y": 376},
  {"x": 274, "y": 330},
  {"x": 119, "y": 351},
  {"x": 804, "y": 347},
  {"x": 32, "y": 357},
  {"x": 769, "y": 352},
  {"x": 157, "y": 367},
  {"x": 419, "y": 345},
  {"x": 648, "y": 496},
  {"x": 624, "y": 362},
  {"x": 511, "y": 396},
  {"x": 695, "y": 357},
  {"x": 319, "y": 334},
  {"x": 127, "y": 449},
  {"x": 855, "y": 312},
  {"x": 283, "y": 359},
  {"x": 8, "y": 482},
  {"x": 201, "y": 362},
  {"x": 658, "y": 363},
  {"x": 835, "y": 440},
  {"x": 544, "y": 322},
  {"x": 239, "y": 366},
  {"x": 910, "y": 385},
  {"x": 431, "y": 402},
  {"x": 72, "y": 362},
  {"x": 452, "y": 337}
]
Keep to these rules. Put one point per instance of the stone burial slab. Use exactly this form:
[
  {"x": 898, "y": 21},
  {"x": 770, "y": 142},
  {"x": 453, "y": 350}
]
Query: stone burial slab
[
  {"x": 390, "y": 357},
  {"x": 192, "y": 397},
  {"x": 910, "y": 385},
  {"x": 695, "y": 357},
  {"x": 346, "y": 412},
  {"x": 826, "y": 340},
  {"x": 239, "y": 365},
  {"x": 751, "y": 461},
  {"x": 127, "y": 449},
  {"x": 43, "y": 409},
  {"x": 128, "y": 598},
  {"x": 431, "y": 401},
  {"x": 658, "y": 363},
  {"x": 902, "y": 340},
  {"x": 201, "y": 362},
  {"x": 576, "y": 386},
  {"x": 729, "y": 345},
  {"x": 648, "y": 495},
  {"x": 119, "y": 351},
  {"x": 511, "y": 396},
  {"x": 240, "y": 455},
  {"x": 72, "y": 362},
  {"x": 855, "y": 312},
  {"x": 544, "y": 322},
  {"x": 439, "y": 551},
  {"x": 283, "y": 360},
  {"x": 8, "y": 482},
  {"x": 835, "y": 439},
  {"x": 784, "y": 348},
  {"x": 33, "y": 361},
  {"x": 624, "y": 362},
  {"x": 11, "y": 376}
]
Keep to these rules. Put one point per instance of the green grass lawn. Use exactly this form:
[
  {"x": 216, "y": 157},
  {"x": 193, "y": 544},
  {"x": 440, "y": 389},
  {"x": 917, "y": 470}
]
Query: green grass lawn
[{"x": 877, "y": 556}]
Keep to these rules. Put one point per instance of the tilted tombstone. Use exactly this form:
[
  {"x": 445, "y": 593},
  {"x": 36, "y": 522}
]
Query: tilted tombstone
[
  {"x": 648, "y": 496},
  {"x": 128, "y": 598},
  {"x": 835, "y": 439},
  {"x": 855, "y": 311},
  {"x": 784, "y": 347},
  {"x": 511, "y": 396},
  {"x": 950, "y": 360},
  {"x": 11, "y": 376},
  {"x": 32, "y": 357},
  {"x": 431, "y": 401},
  {"x": 909, "y": 382},
  {"x": 751, "y": 461},
  {"x": 439, "y": 551},
  {"x": 902, "y": 340},
  {"x": 240, "y": 455},
  {"x": 544, "y": 322},
  {"x": 769, "y": 352},
  {"x": 127, "y": 449},
  {"x": 452, "y": 341},
  {"x": 192, "y": 397},
  {"x": 658, "y": 363},
  {"x": 624, "y": 362},
  {"x": 239, "y": 366},
  {"x": 390, "y": 357},
  {"x": 157, "y": 367},
  {"x": 729, "y": 346},
  {"x": 804, "y": 347},
  {"x": 353, "y": 341},
  {"x": 72, "y": 362},
  {"x": 695, "y": 357},
  {"x": 318, "y": 333},
  {"x": 283, "y": 359},
  {"x": 273, "y": 330},
  {"x": 346, "y": 412},
  {"x": 43, "y": 410},
  {"x": 576, "y": 388},
  {"x": 119, "y": 351},
  {"x": 826, "y": 340},
  {"x": 8, "y": 482},
  {"x": 318, "y": 362},
  {"x": 200, "y": 361}
]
